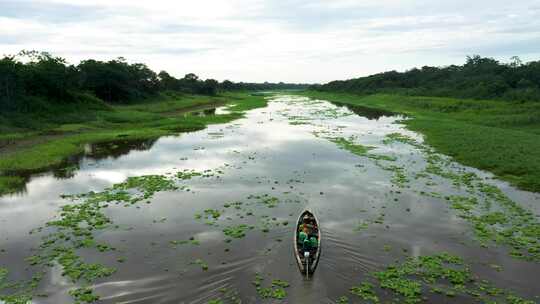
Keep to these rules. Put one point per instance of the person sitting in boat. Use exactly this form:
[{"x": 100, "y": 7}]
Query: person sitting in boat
[
  {"x": 303, "y": 238},
  {"x": 313, "y": 242},
  {"x": 307, "y": 222},
  {"x": 307, "y": 242}
]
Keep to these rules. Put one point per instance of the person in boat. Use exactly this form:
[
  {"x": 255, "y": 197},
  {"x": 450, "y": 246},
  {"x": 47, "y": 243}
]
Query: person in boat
[
  {"x": 305, "y": 237},
  {"x": 307, "y": 222}
]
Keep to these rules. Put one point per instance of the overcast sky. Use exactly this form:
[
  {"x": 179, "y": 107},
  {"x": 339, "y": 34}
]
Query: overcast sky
[{"x": 274, "y": 40}]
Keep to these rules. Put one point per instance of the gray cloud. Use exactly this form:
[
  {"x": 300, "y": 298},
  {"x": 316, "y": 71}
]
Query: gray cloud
[
  {"x": 187, "y": 28},
  {"x": 52, "y": 12},
  {"x": 294, "y": 40},
  {"x": 503, "y": 48},
  {"x": 307, "y": 15}
]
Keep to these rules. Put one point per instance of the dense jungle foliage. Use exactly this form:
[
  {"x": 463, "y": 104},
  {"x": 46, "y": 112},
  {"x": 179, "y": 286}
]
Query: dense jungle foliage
[
  {"x": 30, "y": 81},
  {"x": 478, "y": 78}
]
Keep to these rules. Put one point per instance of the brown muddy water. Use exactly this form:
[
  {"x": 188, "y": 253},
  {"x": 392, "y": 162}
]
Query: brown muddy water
[{"x": 276, "y": 151}]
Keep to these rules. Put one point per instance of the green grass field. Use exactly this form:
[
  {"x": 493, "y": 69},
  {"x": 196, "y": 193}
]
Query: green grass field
[
  {"x": 50, "y": 141},
  {"x": 497, "y": 136}
]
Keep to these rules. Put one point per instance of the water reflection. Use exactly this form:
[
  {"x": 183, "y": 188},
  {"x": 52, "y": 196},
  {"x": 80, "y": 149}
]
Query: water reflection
[
  {"x": 206, "y": 112},
  {"x": 68, "y": 168},
  {"x": 369, "y": 113},
  {"x": 261, "y": 154},
  {"x": 117, "y": 148}
]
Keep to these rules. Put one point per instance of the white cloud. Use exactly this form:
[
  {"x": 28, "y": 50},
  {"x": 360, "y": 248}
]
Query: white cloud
[{"x": 258, "y": 40}]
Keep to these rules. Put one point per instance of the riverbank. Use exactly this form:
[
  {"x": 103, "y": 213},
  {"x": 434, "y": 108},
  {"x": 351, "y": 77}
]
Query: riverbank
[
  {"x": 50, "y": 141},
  {"x": 500, "y": 137}
]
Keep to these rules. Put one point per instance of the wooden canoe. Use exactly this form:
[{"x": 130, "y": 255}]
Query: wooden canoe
[{"x": 315, "y": 253}]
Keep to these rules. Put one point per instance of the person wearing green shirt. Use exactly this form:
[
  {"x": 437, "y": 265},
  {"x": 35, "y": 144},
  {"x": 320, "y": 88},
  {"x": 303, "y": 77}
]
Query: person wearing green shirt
[
  {"x": 302, "y": 236},
  {"x": 313, "y": 242}
]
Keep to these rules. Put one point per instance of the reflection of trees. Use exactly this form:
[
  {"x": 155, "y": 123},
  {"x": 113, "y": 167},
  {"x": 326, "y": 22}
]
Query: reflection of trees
[
  {"x": 366, "y": 112},
  {"x": 66, "y": 172},
  {"x": 12, "y": 184},
  {"x": 116, "y": 149},
  {"x": 202, "y": 113},
  {"x": 71, "y": 165},
  {"x": 209, "y": 112}
]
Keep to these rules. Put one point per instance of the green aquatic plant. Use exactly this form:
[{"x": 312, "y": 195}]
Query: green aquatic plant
[
  {"x": 201, "y": 263},
  {"x": 188, "y": 174},
  {"x": 349, "y": 145},
  {"x": 497, "y": 136},
  {"x": 238, "y": 231},
  {"x": 365, "y": 292},
  {"x": 494, "y": 217},
  {"x": 265, "y": 199},
  {"x": 276, "y": 290},
  {"x": 399, "y": 177},
  {"x": 415, "y": 278},
  {"x": 401, "y": 138},
  {"x": 213, "y": 213},
  {"x": 75, "y": 228},
  {"x": 84, "y": 295}
]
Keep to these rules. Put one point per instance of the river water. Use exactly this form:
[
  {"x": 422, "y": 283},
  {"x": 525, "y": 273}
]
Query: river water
[{"x": 275, "y": 151}]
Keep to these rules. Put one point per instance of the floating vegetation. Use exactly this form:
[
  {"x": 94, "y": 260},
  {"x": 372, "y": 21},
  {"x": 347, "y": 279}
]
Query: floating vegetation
[
  {"x": 83, "y": 295},
  {"x": 398, "y": 137},
  {"x": 188, "y": 174},
  {"x": 184, "y": 242},
  {"x": 216, "y": 135},
  {"x": 299, "y": 123},
  {"x": 365, "y": 292},
  {"x": 237, "y": 232},
  {"x": 74, "y": 229},
  {"x": 236, "y": 205},
  {"x": 494, "y": 217},
  {"x": 361, "y": 226},
  {"x": 443, "y": 274},
  {"x": 399, "y": 177},
  {"x": 20, "y": 292},
  {"x": 358, "y": 149},
  {"x": 148, "y": 185},
  {"x": 215, "y": 214},
  {"x": 201, "y": 263},
  {"x": 228, "y": 296},
  {"x": 276, "y": 290},
  {"x": 349, "y": 145},
  {"x": 265, "y": 199}
]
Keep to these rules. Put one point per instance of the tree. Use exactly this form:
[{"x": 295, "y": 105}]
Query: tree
[
  {"x": 515, "y": 62},
  {"x": 210, "y": 87},
  {"x": 11, "y": 86}
]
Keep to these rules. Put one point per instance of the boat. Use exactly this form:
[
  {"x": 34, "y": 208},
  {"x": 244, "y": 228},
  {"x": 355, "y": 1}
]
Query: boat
[{"x": 307, "y": 260}]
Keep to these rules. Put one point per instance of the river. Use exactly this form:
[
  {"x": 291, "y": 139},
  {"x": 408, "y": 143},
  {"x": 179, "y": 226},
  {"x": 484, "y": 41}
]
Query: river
[{"x": 285, "y": 151}]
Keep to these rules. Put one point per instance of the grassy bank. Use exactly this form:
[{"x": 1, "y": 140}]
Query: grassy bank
[
  {"x": 497, "y": 136},
  {"x": 48, "y": 142}
]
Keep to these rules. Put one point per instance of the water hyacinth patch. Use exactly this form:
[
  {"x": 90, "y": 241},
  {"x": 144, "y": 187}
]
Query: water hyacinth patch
[
  {"x": 446, "y": 274},
  {"x": 276, "y": 290},
  {"x": 75, "y": 227},
  {"x": 238, "y": 231},
  {"x": 494, "y": 217},
  {"x": 201, "y": 263}
]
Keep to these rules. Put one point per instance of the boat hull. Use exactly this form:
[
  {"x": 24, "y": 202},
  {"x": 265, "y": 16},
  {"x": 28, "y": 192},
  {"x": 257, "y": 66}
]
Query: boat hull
[{"x": 298, "y": 252}]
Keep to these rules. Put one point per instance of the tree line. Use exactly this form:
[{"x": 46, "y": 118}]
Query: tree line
[
  {"x": 33, "y": 78},
  {"x": 479, "y": 78}
]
